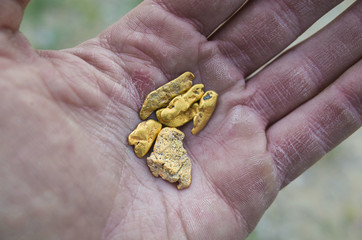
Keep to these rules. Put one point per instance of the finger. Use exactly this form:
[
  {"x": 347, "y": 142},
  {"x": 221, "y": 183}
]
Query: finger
[
  {"x": 11, "y": 13},
  {"x": 304, "y": 71},
  {"x": 156, "y": 41},
  {"x": 205, "y": 15},
  {"x": 261, "y": 30},
  {"x": 166, "y": 34},
  {"x": 305, "y": 135}
]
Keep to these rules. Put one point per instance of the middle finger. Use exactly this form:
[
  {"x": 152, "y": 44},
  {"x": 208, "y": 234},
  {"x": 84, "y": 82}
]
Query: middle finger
[{"x": 254, "y": 36}]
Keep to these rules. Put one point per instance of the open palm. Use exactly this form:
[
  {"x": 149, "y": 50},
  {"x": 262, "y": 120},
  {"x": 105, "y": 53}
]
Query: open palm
[{"x": 66, "y": 169}]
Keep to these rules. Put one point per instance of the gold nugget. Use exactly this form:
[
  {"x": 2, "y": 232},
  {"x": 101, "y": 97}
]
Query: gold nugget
[
  {"x": 143, "y": 136},
  {"x": 183, "y": 102},
  {"x": 206, "y": 108},
  {"x": 169, "y": 159},
  {"x": 180, "y": 119},
  {"x": 160, "y": 97}
]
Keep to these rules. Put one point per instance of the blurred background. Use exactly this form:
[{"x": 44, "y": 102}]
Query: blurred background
[{"x": 325, "y": 203}]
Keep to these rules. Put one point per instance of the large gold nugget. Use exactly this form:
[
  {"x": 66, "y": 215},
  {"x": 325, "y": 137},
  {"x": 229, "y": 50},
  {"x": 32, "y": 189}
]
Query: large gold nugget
[
  {"x": 206, "y": 108},
  {"x": 143, "y": 136},
  {"x": 160, "y": 97},
  {"x": 183, "y": 102},
  {"x": 169, "y": 159},
  {"x": 180, "y": 119}
]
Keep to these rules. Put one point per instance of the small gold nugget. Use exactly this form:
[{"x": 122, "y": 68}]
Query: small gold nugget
[
  {"x": 183, "y": 102},
  {"x": 180, "y": 119},
  {"x": 143, "y": 136},
  {"x": 161, "y": 97},
  {"x": 206, "y": 108},
  {"x": 169, "y": 159}
]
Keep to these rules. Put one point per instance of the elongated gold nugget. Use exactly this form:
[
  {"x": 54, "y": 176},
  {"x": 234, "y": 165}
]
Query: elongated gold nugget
[
  {"x": 206, "y": 108},
  {"x": 180, "y": 119},
  {"x": 161, "y": 97},
  {"x": 183, "y": 102}
]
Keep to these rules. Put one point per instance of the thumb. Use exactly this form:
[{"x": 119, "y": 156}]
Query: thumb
[{"x": 11, "y": 13}]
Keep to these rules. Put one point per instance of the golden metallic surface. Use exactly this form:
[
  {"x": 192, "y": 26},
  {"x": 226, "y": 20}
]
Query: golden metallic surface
[
  {"x": 143, "y": 136},
  {"x": 180, "y": 119},
  {"x": 169, "y": 159},
  {"x": 178, "y": 102},
  {"x": 161, "y": 97},
  {"x": 183, "y": 102},
  {"x": 206, "y": 108}
]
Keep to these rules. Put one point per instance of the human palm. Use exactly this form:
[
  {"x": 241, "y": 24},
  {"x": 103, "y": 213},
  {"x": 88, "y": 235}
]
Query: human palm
[{"x": 67, "y": 170}]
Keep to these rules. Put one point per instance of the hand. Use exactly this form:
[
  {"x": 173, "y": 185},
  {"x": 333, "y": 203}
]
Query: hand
[{"x": 66, "y": 169}]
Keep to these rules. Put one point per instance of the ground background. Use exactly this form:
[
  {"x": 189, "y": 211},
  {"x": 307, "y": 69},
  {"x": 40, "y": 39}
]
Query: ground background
[{"x": 323, "y": 204}]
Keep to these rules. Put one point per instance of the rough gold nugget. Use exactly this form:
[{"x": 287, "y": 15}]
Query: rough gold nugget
[
  {"x": 164, "y": 94},
  {"x": 183, "y": 102},
  {"x": 169, "y": 159},
  {"x": 143, "y": 136},
  {"x": 181, "y": 119},
  {"x": 206, "y": 108}
]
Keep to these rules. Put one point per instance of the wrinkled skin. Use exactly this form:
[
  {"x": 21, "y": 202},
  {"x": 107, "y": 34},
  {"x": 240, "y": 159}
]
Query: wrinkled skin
[{"x": 67, "y": 171}]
